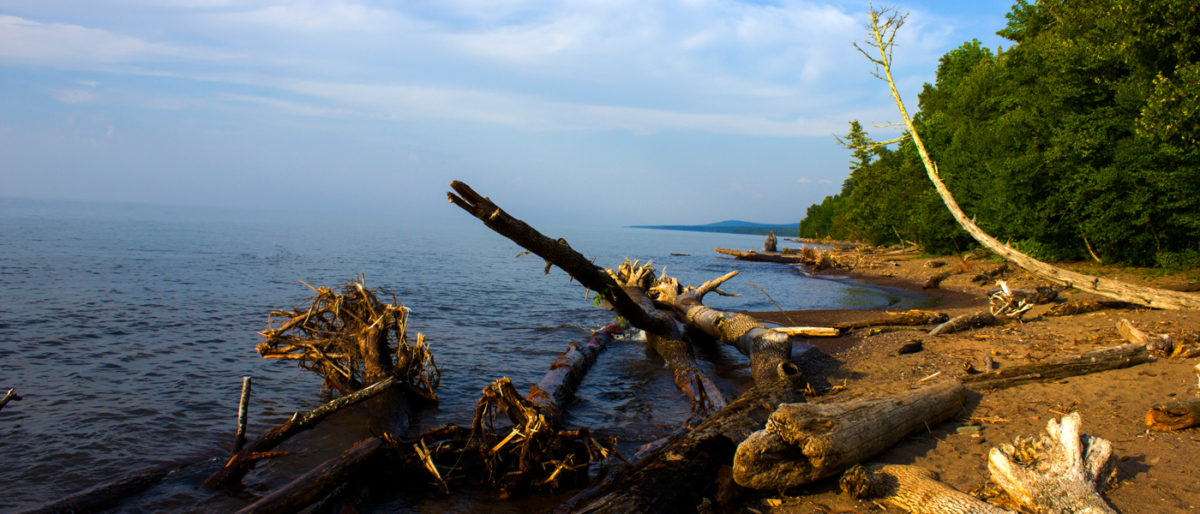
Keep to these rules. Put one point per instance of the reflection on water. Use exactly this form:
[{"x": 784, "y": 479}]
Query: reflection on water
[{"x": 127, "y": 329}]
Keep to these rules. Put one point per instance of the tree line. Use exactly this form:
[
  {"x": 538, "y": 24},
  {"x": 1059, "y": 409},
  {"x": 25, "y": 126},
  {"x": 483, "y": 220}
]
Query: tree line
[{"x": 1080, "y": 140}]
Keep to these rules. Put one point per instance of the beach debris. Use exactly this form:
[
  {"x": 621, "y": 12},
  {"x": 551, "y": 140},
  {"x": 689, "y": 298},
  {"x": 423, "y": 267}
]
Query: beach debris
[
  {"x": 915, "y": 489},
  {"x": 804, "y": 442},
  {"x": 910, "y": 317},
  {"x": 912, "y": 346},
  {"x": 769, "y": 245},
  {"x": 1174, "y": 416},
  {"x": 1104, "y": 359},
  {"x": 935, "y": 281},
  {"x": 1061, "y": 471},
  {"x": 968, "y": 322},
  {"x": 239, "y": 439}
]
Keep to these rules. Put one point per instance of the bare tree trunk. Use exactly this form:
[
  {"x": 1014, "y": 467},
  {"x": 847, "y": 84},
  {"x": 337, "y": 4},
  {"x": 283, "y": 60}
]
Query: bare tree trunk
[
  {"x": 1091, "y": 362},
  {"x": 804, "y": 442},
  {"x": 557, "y": 387},
  {"x": 318, "y": 482},
  {"x": 883, "y": 34}
]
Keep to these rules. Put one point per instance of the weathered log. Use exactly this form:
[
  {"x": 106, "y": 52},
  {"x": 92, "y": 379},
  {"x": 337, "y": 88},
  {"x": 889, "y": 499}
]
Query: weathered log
[
  {"x": 1063, "y": 471},
  {"x": 935, "y": 281},
  {"x": 1074, "y": 307},
  {"x": 703, "y": 394},
  {"x": 968, "y": 322},
  {"x": 916, "y": 490},
  {"x": 11, "y": 395},
  {"x": 677, "y": 476},
  {"x": 809, "y": 331},
  {"x": 243, "y": 461},
  {"x": 555, "y": 390},
  {"x": 1176, "y": 416},
  {"x": 1091, "y": 362},
  {"x": 555, "y": 252},
  {"x": 751, "y": 255},
  {"x": 319, "y": 481},
  {"x": 883, "y": 32},
  {"x": 805, "y": 442},
  {"x": 769, "y": 351},
  {"x": 239, "y": 438},
  {"x": 770, "y": 244},
  {"x": 1161, "y": 344},
  {"x": 906, "y": 318},
  {"x": 108, "y": 494}
]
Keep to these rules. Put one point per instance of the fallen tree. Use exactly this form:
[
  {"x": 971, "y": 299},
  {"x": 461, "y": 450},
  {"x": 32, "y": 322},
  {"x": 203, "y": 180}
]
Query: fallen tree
[
  {"x": 804, "y": 442},
  {"x": 1094, "y": 361},
  {"x": 883, "y": 32}
]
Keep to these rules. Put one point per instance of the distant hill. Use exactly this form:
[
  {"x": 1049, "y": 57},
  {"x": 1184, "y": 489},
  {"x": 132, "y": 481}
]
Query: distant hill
[{"x": 733, "y": 227}]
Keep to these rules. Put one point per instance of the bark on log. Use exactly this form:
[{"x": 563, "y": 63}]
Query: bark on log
[
  {"x": 1161, "y": 344},
  {"x": 751, "y": 255},
  {"x": 108, "y": 494},
  {"x": 703, "y": 394},
  {"x": 935, "y": 281},
  {"x": 809, "y": 331},
  {"x": 556, "y": 252},
  {"x": 1146, "y": 296},
  {"x": 906, "y": 318},
  {"x": 804, "y": 442},
  {"x": 555, "y": 390},
  {"x": 319, "y": 481},
  {"x": 770, "y": 351},
  {"x": 1091, "y": 362},
  {"x": 1074, "y": 307},
  {"x": 676, "y": 477},
  {"x": 914, "y": 489},
  {"x": 243, "y": 461},
  {"x": 1062, "y": 472},
  {"x": 239, "y": 438},
  {"x": 968, "y": 322},
  {"x": 1176, "y": 416}
]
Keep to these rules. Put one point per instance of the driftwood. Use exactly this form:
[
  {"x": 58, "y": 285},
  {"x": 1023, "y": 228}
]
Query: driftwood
[
  {"x": 935, "y": 281},
  {"x": 108, "y": 494},
  {"x": 556, "y": 389},
  {"x": 805, "y": 442},
  {"x": 1091, "y": 362},
  {"x": 243, "y": 461},
  {"x": 906, "y": 318},
  {"x": 912, "y": 488},
  {"x": 1175, "y": 416},
  {"x": 1160, "y": 344},
  {"x": 318, "y": 482},
  {"x": 11, "y": 395},
  {"x": 883, "y": 33},
  {"x": 751, "y": 255},
  {"x": 239, "y": 439},
  {"x": 769, "y": 351},
  {"x": 703, "y": 394},
  {"x": 770, "y": 244},
  {"x": 1062, "y": 471},
  {"x": 809, "y": 331},
  {"x": 1073, "y": 307},
  {"x": 680, "y": 474},
  {"x": 968, "y": 322}
]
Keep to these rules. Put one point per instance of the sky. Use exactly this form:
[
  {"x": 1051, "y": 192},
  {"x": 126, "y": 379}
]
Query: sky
[{"x": 604, "y": 113}]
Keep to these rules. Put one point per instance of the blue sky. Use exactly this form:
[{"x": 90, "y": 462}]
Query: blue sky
[{"x": 606, "y": 112}]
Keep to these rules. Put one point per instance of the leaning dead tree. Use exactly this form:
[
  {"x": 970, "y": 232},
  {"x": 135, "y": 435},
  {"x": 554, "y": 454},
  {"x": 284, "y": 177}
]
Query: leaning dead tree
[{"x": 883, "y": 33}]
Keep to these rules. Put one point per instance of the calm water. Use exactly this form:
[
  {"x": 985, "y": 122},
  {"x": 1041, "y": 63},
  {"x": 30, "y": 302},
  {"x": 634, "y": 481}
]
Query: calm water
[{"x": 127, "y": 329}]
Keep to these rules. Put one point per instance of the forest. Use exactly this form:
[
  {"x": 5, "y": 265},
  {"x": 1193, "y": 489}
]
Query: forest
[{"x": 1077, "y": 141}]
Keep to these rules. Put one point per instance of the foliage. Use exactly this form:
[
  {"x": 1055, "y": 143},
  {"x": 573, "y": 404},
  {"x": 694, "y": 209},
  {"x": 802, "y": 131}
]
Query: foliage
[{"x": 1087, "y": 126}]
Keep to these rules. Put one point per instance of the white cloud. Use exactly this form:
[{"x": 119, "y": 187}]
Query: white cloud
[
  {"x": 73, "y": 96},
  {"x": 60, "y": 44}
]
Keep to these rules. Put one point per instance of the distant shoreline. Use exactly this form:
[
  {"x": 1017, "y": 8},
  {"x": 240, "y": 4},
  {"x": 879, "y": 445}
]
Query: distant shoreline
[{"x": 761, "y": 230}]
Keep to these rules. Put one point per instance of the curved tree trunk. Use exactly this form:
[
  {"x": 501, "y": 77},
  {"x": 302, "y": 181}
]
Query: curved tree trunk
[{"x": 1141, "y": 295}]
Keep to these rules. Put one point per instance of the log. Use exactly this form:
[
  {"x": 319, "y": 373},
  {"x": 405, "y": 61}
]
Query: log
[
  {"x": 809, "y": 331},
  {"x": 1175, "y": 416},
  {"x": 319, "y": 481},
  {"x": 915, "y": 489},
  {"x": 703, "y": 394},
  {"x": 906, "y": 318},
  {"x": 11, "y": 395},
  {"x": 751, "y": 255},
  {"x": 239, "y": 439},
  {"x": 108, "y": 494},
  {"x": 556, "y": 389},
  {"x": 805, "y": 442},
  {"x": 1074, "y": 307},
  {"x": 243, "y": 461},
  {"x": 679, "y": 475},
  {"x": 1091, "y": 362},
  {"x": 769, "y": 351},
  {"x": 968, "y": 322},
  {"x": 770, "y": 244},
  {"x": 1161, "y": 344},
  {"x": 556, "y": 252},
  {"x": 935, "y": 281},
  {"x": 1063, "y": 471}
]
